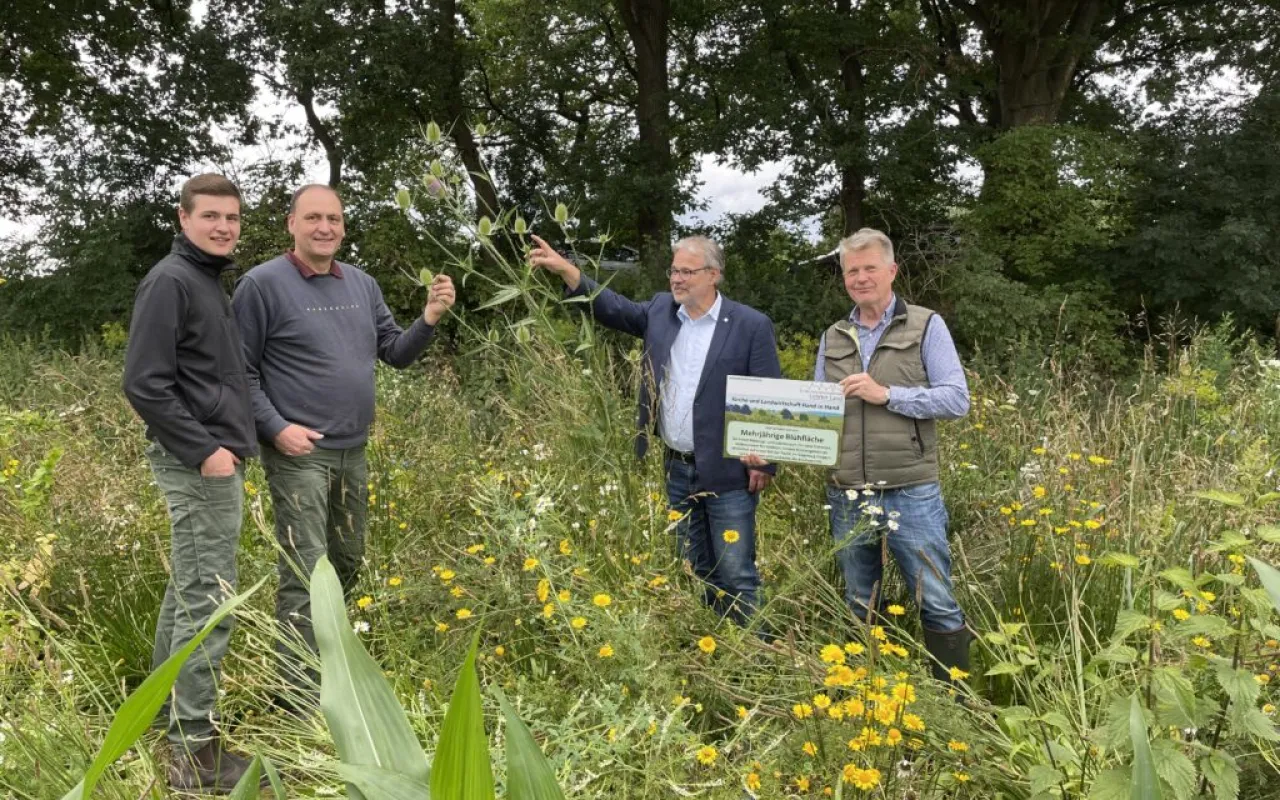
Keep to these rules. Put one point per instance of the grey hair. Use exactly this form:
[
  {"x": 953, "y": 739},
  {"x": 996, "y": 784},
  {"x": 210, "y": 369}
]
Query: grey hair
[
  {"x": 712, "y": 253},
  {"x": 864, "y": 239}
]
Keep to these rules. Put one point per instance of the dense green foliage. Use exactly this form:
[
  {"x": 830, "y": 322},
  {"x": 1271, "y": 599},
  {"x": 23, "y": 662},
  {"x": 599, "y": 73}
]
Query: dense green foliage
[{"x": 1010, "y": 148}]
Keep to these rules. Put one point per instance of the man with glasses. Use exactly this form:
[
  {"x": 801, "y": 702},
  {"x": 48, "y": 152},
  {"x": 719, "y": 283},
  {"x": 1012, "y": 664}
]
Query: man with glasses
[{"x": 694, "y": 338}]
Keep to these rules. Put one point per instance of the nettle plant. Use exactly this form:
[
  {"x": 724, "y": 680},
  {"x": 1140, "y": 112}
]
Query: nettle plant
[{"x": 1178, "y": 698}]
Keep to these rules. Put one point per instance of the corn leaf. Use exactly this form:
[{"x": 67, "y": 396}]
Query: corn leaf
[
  {"x": 277, "y": 785},
  {"x": 1269, "y": 576},
  {"x": 529, "y": 775},
  {"x": 383, "y": 784},
  {"x": 365, "y": 718},
  {"x": 461, "y": 768},
  {"x": 140, "y": 708},
  {"x": 247, "y": 786},
  {"x": 1144, "y": 785}
]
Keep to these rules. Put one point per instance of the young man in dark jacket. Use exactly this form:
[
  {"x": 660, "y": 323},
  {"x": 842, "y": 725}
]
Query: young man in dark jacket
[{"x": 185, "y": 376}]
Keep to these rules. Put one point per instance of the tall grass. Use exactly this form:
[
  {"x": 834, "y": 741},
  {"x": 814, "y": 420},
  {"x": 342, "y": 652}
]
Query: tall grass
[{"x": 503, "y": 477}]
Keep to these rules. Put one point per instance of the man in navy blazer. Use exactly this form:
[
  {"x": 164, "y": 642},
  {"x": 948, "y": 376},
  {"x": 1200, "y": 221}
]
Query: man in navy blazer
[{"x": 694, "y": 338}]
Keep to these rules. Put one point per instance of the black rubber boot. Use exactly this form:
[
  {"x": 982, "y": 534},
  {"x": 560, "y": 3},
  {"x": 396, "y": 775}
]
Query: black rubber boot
[{"x": 949, "y": 650}]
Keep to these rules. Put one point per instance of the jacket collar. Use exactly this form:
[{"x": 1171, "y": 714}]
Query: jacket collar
[{"x": 205, "y": 262}]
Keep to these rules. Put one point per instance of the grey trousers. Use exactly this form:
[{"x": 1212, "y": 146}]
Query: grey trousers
[
  {"x": 205, "y": 516},
  {"x": 321, "y": 503}
]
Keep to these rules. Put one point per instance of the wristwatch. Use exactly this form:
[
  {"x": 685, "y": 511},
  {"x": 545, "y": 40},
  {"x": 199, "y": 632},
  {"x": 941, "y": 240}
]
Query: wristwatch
[{"x": 887, "y": 396}]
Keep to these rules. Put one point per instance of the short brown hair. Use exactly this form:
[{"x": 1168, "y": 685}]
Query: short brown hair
[
  {"x": 293, "y": 202},
  {"x": 209, "y": 183}
]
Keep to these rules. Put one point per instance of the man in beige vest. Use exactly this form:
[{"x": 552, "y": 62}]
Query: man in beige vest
[{"x": 900, "y": 372}]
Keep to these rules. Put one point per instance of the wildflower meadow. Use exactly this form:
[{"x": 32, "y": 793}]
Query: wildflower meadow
[{"x": 1113, "y": 536}]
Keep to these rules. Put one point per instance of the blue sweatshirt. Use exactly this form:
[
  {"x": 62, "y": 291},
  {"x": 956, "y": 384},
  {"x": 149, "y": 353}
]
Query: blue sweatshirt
[{"x": 311, "y": 345}]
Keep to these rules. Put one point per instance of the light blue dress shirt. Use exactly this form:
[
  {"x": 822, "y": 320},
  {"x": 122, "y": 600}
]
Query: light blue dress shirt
[
  {"x": 946, "y": 396},
  {"x": 684, "y": 370}
]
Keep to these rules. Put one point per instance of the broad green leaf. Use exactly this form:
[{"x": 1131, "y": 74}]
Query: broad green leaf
[
  {"x": 1145, "y": 785},
  {"x": 1233, "y": 499},
  {"x": 1111, "y": 784},
  {"x": 461, "y": 768},
  {"x": 1269, "y": 576},
  {"x": 1116, "y": 654},
  {"x": 1229, "y": 540},
  {"x": 1057, "y": 720},
  {"x": 365, "y": 718},
  {"x": 1174, "y": 768},
  {"x": 505, "y": 295},
  {"x": 1180, "y": 577},
  {"x": 140, "y": 708},
  {"x": 1239, "y": 684},
  {"x": 1223, "y": 773},
  {"x": 1204, "y": 625},
  {"x": 1113, "y": 734},
  {"x": 1269, "y": 533},
  {"x": 1043, "y": 778},
  {"x": 247, "y": 787},
  {"x": 1228, "y": 578},
  {"x": 1176, "y": 698},
  {"x": 1166, "y": 601},
  {"x": 529, "y": 775},
  {"x": 1114, "y": 559},
  {"x": 1266, "y": 500},
  {"x": 383, "y": 784},
  {"x": 1012, "y": 628},
  {"x": 1005, "y": 668},
  {"x": 1249, "y": 721},
  {"x": 1129, "y": 622}
]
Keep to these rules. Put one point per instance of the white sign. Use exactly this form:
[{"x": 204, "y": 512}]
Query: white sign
[{"x": 790, "y": 421}]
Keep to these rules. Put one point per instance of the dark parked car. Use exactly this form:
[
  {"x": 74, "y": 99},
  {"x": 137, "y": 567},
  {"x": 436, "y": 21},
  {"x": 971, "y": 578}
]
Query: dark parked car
[{"x": 611, "y": 258}]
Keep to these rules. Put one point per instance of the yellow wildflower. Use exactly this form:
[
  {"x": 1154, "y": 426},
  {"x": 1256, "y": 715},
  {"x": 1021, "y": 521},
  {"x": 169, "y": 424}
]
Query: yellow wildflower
[
  {"x": 706, "y": 754},
  {"x": 956, "y": 746},
  {"x": 707, "y": 645},
  {"x": 821, "y": 702},
  {"x": 463, "y": 613},
  {"x": 1083, "y": 560},
  {"x": 441, "y": 627},
  {"x": 606, "y": 650},
  {"x": 896, "y": 610},
  {"x": 810, "y": 749},
  {"x": 395, "y": 580},
  {"x": 730, "y": 536},
  {"x": 578, "y": 623},
  {"x": 602, "y": 600},
  {"x": 530, "y": 564},
  {"x": 832, "y": 654}
]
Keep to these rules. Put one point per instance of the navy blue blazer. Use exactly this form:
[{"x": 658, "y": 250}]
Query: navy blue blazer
[{"x": 742, "y": 344}]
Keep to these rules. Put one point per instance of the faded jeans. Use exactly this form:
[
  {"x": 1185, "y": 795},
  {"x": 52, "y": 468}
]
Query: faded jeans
[{"x": 862, "y": 525}]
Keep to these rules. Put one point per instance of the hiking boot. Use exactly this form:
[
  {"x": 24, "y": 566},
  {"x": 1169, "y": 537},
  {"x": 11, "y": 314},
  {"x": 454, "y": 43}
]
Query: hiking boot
[{"x": 209, "y": 770}]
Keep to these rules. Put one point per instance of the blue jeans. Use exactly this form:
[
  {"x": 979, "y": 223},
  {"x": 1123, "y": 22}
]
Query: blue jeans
[
  {"x": 919, "y": 545},
  {"x": 727, "y": 569}
]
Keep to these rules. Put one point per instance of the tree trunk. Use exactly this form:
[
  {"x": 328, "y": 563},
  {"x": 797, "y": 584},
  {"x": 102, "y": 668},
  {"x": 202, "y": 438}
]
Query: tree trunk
[
  {"x": 647, "y": 23},
  {"x": 853, "y": 153},
  {"x": 1037, "y": 49},
  {"x": 332, "y": 152},
  {"x": 455, "y": 111}
]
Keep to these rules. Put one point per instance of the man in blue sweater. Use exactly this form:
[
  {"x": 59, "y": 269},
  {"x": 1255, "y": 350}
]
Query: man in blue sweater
[{"x": 313, "y": 330}]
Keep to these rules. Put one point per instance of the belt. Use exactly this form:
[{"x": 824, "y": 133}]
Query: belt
[{"x": 679, "y": 456}]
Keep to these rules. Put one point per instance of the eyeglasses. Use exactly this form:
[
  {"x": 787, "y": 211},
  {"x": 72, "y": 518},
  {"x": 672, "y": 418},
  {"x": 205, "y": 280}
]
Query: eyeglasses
[{"x": 685, "y": 274}]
